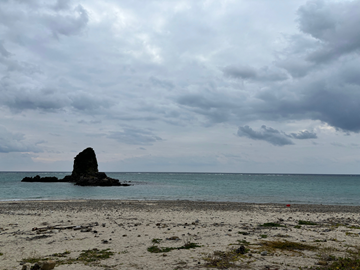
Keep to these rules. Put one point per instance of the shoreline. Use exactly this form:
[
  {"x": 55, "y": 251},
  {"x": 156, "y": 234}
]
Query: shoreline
[
  {"x": 64, "y": 230},
  {"x": 198, "y": 205}
]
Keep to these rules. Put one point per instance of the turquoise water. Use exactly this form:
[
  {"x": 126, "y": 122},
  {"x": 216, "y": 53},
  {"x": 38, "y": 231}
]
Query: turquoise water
[{"x": 254, "y": 188}]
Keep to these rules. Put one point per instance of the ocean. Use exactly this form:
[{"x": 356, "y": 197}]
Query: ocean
[{"x": 229, "y": 187}]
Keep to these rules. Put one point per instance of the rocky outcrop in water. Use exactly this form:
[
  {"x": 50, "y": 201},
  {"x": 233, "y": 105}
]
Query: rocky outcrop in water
[
  {"x": 85, "y": 164},
  {"x": 46, "y": 179},
  {"x": 98, "y": 179},
  {"x": 85, "y": 173}
]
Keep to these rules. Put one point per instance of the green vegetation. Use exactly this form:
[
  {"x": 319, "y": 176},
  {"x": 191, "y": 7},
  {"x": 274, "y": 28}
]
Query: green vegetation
[
  {"x": 288, "y": 245},
  {"x": 305, "y": 222},
  {"x": 91, "y": 256},
  {"x": 243, "y": 242},
  {"x": 352, "y": 234},
  {"x": 297, "y": 226},
  {"x": 61, "y": 254},
  {"x": 156, "y": 249},
  {"x": 34, "y": 259},
  {"x": 263, "y": 235},
  {"x": 94, "y": 255},
  {"x": 1, "y": 254},
  {"x": 348, "y": 263},
  {"x": 271, "y": 224},
  {"x": 156, "y": 240}
]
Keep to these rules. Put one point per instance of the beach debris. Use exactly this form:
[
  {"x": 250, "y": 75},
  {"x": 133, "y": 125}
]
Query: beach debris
[
  {"x": 26, "y": 266},
  {"x": 271, "y": 224},
  {"x": 322, "y": 263},
  {"x": 82, "y": 228},
  {"x": 44, "y": 265},
  {"x": 263, "y": 253},
  {"x": 241, "y": 250},
  {"x": 174, "y": 238},
  {"x": 38, "y": 237},
  {"x": 156, "y": 249},
  {"x": 47, "y": 265}
]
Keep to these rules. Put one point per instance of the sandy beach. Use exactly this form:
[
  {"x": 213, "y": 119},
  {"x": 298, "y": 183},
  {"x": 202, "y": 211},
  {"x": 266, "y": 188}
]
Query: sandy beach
[{"x": 98, "y": 234}]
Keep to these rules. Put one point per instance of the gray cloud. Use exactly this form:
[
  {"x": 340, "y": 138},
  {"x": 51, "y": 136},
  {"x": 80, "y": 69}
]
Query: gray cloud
[
  {"x": 3, "y": 51},
  {"x": 335, "y": 25},
  {"x": 61, "y": 5},
  {"x": 67, "y": 25},
  {"x": 248, "y": 73},
  {"x": 134, "y": 136},
  {"x": 329, "y": 93},
  {"x": 274, "y": 136},
  {"x": 40, "y": 21},
  {"x": 243, "y": 72},
  {"x": 161, "y": 83},
  {"x": 15, "y": 142},
  {"x": 269, "y": 135},
  {"x": 303, "y": 135}
]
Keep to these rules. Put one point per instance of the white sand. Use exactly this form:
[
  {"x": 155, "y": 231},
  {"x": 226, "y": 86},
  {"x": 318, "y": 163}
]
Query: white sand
[{"x": 130, "y": 227}]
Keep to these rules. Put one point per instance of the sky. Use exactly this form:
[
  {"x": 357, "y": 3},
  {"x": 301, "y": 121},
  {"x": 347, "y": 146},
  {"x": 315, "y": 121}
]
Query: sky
[{"x": 261, "y": 86}]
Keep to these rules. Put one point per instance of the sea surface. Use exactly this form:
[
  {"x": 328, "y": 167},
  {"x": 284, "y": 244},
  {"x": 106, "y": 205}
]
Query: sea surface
[{"x": 252, "y": 188}]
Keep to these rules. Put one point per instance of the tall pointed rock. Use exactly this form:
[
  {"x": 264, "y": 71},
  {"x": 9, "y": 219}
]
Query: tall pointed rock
[{"x": 85, "y": 164}]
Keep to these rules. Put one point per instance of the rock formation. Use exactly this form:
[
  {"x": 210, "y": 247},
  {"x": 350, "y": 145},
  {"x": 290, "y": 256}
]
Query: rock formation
[
  {"x": 85, "y": 173},
  {"x": 46, "y": 179},
  {"x": 85, "y": 164}
]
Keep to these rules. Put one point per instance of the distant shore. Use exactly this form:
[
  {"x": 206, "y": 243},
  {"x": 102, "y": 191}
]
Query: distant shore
[{"x": 63, "y": 230}]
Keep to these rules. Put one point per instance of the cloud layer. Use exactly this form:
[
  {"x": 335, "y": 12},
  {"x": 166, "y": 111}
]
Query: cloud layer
[{"x": 179, "y": 75}]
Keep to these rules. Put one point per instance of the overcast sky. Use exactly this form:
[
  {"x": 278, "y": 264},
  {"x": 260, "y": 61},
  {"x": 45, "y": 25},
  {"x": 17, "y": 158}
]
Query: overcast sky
[{"x": 263, "y": 86}]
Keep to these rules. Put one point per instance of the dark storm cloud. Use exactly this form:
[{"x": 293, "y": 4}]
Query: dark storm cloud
[
  {"x": 134, "y": 136},
  {"x": 269, "y": 135},
  {"x": 329, "y": 93},
  {"x": 15, "y": 142},
  {"x": 334, "y": 25},
  {"x": 328, "y": 98},
  {"x": 274, "y": 136}
]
